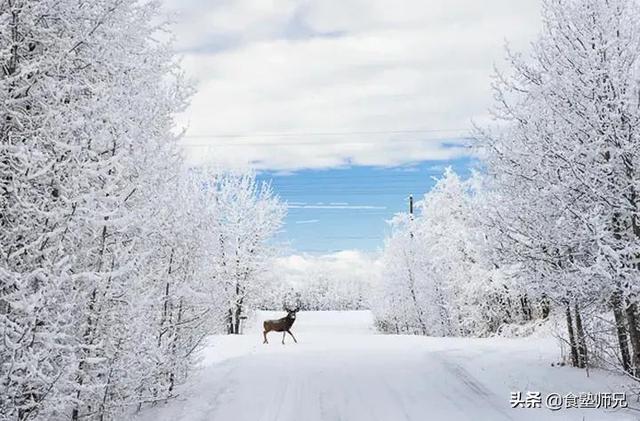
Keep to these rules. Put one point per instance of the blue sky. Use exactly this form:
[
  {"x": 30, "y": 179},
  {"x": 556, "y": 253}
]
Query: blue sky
[
  {"x": 335, "y": 100},
  {"x": 337, "y": 209}
]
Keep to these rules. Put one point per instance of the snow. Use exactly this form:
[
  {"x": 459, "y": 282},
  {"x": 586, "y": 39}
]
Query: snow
[{"x": 342, "y": 370}]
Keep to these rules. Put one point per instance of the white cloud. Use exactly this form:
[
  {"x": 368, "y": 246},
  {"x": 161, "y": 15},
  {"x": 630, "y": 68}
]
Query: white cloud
[
  {"x": 297, "y": 269},
  {"x": 308, "y": 221},
  {"x": 314, "y": 68}
]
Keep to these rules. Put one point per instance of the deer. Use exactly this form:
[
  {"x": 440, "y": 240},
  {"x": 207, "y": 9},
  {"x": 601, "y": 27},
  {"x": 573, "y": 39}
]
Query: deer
[{"x": 281, "y": 325}]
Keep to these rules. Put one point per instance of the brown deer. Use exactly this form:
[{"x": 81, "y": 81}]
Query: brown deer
[{"x": 281, "y": 325}]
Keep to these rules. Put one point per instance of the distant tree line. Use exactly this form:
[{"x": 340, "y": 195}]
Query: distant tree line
[{"x": 329, "y": 290}]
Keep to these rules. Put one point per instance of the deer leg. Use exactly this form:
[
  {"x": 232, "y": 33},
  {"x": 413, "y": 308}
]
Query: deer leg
[
  {"x": 294, "y": 338},
  {"x": 283, "y": 335},
  {"x": 265, "y": 337}
]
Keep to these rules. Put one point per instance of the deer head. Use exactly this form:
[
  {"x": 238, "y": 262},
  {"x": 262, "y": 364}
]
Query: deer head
[{"x": 291, "y": 313}]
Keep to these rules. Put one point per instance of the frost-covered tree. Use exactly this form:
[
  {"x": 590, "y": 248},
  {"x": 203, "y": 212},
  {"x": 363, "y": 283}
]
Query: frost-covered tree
[
  {"x": 405, "y": 282},
  {"x": 564, "y": 165},
  {"x": 335, "y": 281},
  {"x": 107, "y": 240},
  {"x": 472, "y": 290},
  {"x": 440, "y": 277},
  {"x": 247, "y": 216},
  {"x": 326, "y": 289}
]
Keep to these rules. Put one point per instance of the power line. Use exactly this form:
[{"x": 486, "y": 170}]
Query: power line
[
  {"x": 346, "y": 143},
  {"x": 310, "y": 133},
  {"x": 346, "y": 182},
  {"x": 460, "y": 134},
  {"x": 377, "y": 172},
  {"x": 351, "y": 237}
]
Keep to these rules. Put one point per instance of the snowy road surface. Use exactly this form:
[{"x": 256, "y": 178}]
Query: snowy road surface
[{"x": 342, "y": 371}]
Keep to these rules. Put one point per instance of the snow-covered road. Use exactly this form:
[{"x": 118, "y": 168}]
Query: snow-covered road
[{"x": 342, "y": 370}]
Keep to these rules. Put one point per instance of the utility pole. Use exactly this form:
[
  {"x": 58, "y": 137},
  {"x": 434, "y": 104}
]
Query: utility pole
[
  {"x": 411, "y": 212},
  {"x": 409, "y": 256}
]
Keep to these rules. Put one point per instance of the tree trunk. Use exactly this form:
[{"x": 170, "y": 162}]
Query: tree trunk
[
  {"x": 165, "y": 301},
  {"x": 230, "y": 322},
  {"x": 621, "y": 330},
  {"x": 174, "y": 349},
  {"x": 445, "y": 318},
  {"x": 544, "y": 306},
  {"x": 572, "y": 338},
  {"x": 526, "y": 308},
  {"x": 412, "y": 292},
  {"x": 414, "y": 298},
  {"x": 634, "y": 336},
  {"x": 580, "y": 339},
  {"x": 236, "y": 312},
  {"x": 236, "y": 326}
]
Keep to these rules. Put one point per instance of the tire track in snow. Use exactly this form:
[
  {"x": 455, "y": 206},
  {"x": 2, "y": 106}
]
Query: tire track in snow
[{"x": 479, "y": 391}]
